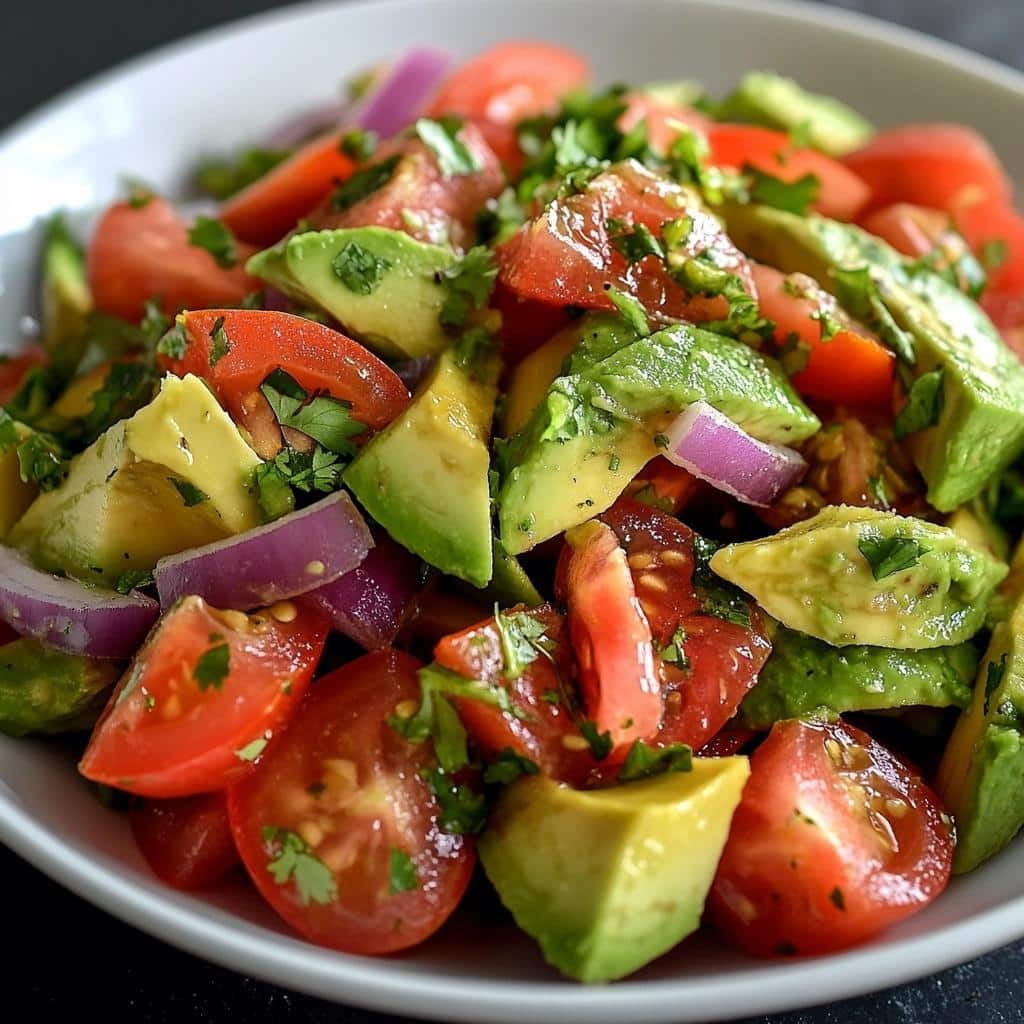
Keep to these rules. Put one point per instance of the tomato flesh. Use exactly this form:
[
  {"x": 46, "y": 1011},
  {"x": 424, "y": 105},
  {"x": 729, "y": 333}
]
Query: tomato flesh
[
  {"x": 138, "y": 253},
  {"x": 344, "y": 786},
  {"x": 662, "y": 120},
  {"x": 201, "y": 700},
  {"x": 187, "y": 842},
  {"x": 835, "y": 839}
]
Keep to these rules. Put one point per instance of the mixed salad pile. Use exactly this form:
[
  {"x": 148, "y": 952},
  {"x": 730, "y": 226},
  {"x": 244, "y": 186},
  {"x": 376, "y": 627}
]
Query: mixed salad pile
[{"x": 617, "y": 487}]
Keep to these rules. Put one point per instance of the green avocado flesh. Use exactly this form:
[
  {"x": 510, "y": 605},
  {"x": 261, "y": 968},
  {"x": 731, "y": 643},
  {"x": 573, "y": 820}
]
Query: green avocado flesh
[{"x": 596, "y": 426}]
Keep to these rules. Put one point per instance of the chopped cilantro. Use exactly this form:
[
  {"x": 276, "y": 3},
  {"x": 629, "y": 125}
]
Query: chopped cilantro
[
  {"x": 403, "y": 873},
  {"x": 132, "y": 580},
  {"x": 794, "y": 354},
  {"x": 661, "y": 440},
  {"x": 454, "y": 157},
  {"x": 889, "y": 555},
  {"x": 509, "y": 766},
  {"x": 647, "y": 495},
  {"x": 830, "y": 326},
  {"x": 635, "y": 245},
  {"x": 857, "y": 292},
  {"x": 551, "y": 697},
  {"x": 221, "y": 345},
  {"x": 154, "y": 324},
  {"x": 994, "y": 253},
  {"x": 993, "y": 678},
  {"x": 643, "y": 761},
  {"x": 190, "y": 494},
  {"x": 701, "y": 275},
  {"x": 358, "y": 269},
  {"x": 326, "y": 420},
  {"x": 522, "y": 640},
  {"x": 8, "y": 431},
  {"x": 319, "y": 470},
  {"x": 216, "y": 238},
  {"x": 924, "y": 405},
  {"x": 213, "y": 667},
  {"x": 222, "y": 178},
  {"x": 717, "y": 597},
  {"x": 600, "y": 743},
  {"x": 363, "y": 183},
  {"x": 37, "y": 390},
  {"x": 252, "y": 750},
  {"x": 463, "y": 810},
  {"x": 358, "y": 144},
  {"x": 630, "y": 310},
  {"x": 174, "y": 344},
  {"x": 876, "y": 485},
  {"x": 137, "y": 193},
  {"x": 674, "y": 652},
  {"x": 468, "y": 284},
  {"x": 293, "y": 860},
  {"x": 613, "y": 464},
  {"x": 41, "y": 461},
  {"x": 500, "y": 218},
  {"x": 792, "y": 196}
]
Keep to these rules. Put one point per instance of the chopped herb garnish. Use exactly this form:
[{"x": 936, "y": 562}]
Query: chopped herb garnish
[
  {"x": 133, "y": 579},
  {"x": 507, "y": 767},
  {"x": 792, "y": 196},
  {"x": 630, "y": 310},
  {"x": 717, "y": 597},
  {"x": 403, "y": 873},
  {"x": 522, "y": 640},
  {"x": 600, "y": 743},
  {"x": 358, "y": 269},
  {"x": 635, "y": 245},
  {"x": 9, "y": 435},
  {"x": 252, "y": 750},
  {"x": 857, "y": 292},
  {"x": 363, "y": 183},
  {"x": 325, "y": 419},
  {"x": 468, "y": 284},
  {"x": 643, "y": 761},
  {"x": 174, "y": 344},
  {"x": 500, "y": 218},
  {"x": 993, "y": 253},
  {"x": 190, "y": 494},
  {"x": 293, "y": 860},
  {"x": 220, "y": 344},
  {"x": 358, "y": 144},
  {"x": 889, "y": 555},
  {"x": 319, "y": 471},
  {"x": 153, "y": 325},
  {"x": 223, "y": 178},
  {"x": 924, "y": 405},
  {"x": 463, "y": 810},
  {"x": 551, "y": 697},
  {"x": 830, "y": 326},
  {"x": 661, "y": 440},
  {"x": 876, "y": 485},
  {"x": 216, "y": 238},
  {"x": 41, "y": 461},
  {"x": 613, "y": 464},
  {"x": 213, "y": 667},
  {"x": 454, "y": 157},
  {"x": 674, "y": 652},
  {"x": 993, "y": 678}
]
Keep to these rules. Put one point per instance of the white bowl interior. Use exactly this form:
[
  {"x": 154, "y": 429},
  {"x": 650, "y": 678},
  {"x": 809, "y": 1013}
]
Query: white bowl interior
[{"x": 152, "y": 119}]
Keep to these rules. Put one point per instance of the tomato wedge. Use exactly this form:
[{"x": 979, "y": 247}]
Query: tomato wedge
[
  {"x": 13, "y": 369},
  {"x": 835, "y": 840},
  {"x": 842, "y": 194},
  {"x": 270, "y": 207},
  {"x": 851, "y": 366},
  {"x": 619, "y": 685},
  {"x": 707, "y": 663},
  {"x": 662, "y": 120},
  {"x": 944, "y": 166},
  {"x": 1006, "y": 310},
  {"x": 187, "y": 842},
  {"x": 339, "y": 828},
  {"x": 142, "y": 252},
  {"x": 545, "y": 731},
  {"x": 995, "y": 225},
  {"x": 320, "y": 359},
  {"x": 202, "y": 698},
  {"x": 912, "y": 230}
]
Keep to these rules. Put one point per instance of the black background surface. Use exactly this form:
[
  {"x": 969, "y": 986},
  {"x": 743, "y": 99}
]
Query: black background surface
[{"x": 62, "y": 957}]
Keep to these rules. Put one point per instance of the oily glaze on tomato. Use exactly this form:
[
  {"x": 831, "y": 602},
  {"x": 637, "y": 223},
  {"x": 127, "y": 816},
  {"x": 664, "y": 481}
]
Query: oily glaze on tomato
[
  {"x": 142, "y": 252},
  {"x": 13, "y": 369},
  {"x": 320, "y": 359},
  {"x": 187, "y": 842},
  {"x": 841, "y": 195},
  {"x": 201, "y": 700},
  {"x": 417, "y": 197},
  {"x": 565, "y": 256},
  {"x": 720, "y": 660},
  {"x": 338, "y": 827},
  {"x": 851, "y": 367},
  {"x": 544, "y": 731},
  {"x": 835, "y": 840}
]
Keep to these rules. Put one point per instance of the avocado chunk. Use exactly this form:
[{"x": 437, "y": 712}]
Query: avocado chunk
[
  {"x": 608, "y": 879},
  {"x": 980, "y": 426},
  {"x": 807, "y": 677},
  {"x": 863, "y": 576},
  {"x": 65, "y": 298},
  {"x": 47, "y": 691},
  {"x": 424, "y": 478},
  {"x": 16, "y": 494},
  {"x": 595, "y": 429},
  {"x": 775, "y": 101},
  {"x": 975, "y": 524},
  {"x": 981, "y": 776},
  {"x": 177, "y": 475},
  {"x": 529, "y": 381},
  {"x": 510, "y": 584},
  {"x": 383, "y": 286}
]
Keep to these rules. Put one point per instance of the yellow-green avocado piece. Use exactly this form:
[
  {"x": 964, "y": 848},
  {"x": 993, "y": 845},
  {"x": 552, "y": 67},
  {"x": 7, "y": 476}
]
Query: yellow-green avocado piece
[
  {"x": 65, "y": 297},
  {"x": 177, "y": 475},
  {"x": 16, "y": 494},
  {"x": 980, "y": 429},
  {"x": 608, "y": 879},
  {"x": 817, "y": 577},
  {"x": 394, "y": 309},
  {"x": 424, "y": 478}
]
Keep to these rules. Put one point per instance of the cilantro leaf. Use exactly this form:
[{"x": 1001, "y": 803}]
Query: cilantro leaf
[
  {"x": 252, "y": 750},
  {"x": 222, "y": 178},
  {"x": 216, "y": 238},
  {"x": 326, "y": 420},
  {"x": 221, "y": 344},
  {"x": 213, "y": 665},
  {"x": 468, "y": 285},
  {"x": 126, "y": 387},
  {"x": 359, "y": 144},
  {"x": 133, "y": 579},
  {"x": 718, "y": 598},
  {"x": 993, "y": 678},
  {"x": 292, "y": 859},
  {"x": 454, "y": 157},
  {"x": 154, "y": 324},
  {"x": 994, "y": 253},
  {"x": 499, "y": 219},
  {"x": 463, "y": 811},
  {"x": 630, "y": 310},
  {"x": 830, "y": 326},
  {"x": 403, "y": 876},
  {"x": 9, "y": 435},
  {"x": 509, "y": 766},
  {"x": 701, "y": 275},
  {"x": 924, "y": 405},
  {"x": 522, "y": 640},
  {"x": 41, "y": 460},
  {"x": 857, "y": 292},
  {"x": 174, "y": 344},
  {"x": 889, "y": 555},
  {"x": 674, "y": 652},
  {"x": 36, "y": 392},
  {"x": 600, "y": 743},
  {"x": 190, "y": 494},
  {"x": 643, "y": 761},
  {"x": 792, "y": 196},
  {"x": 358, "y": 269},
  {"x": 363, "y": 183},
  {"x": 308, "y": 472},
  {"x": 635, "y": 245}
]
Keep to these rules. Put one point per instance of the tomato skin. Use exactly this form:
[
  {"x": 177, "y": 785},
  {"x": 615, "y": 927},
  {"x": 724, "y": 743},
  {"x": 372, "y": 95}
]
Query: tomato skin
[
  {"x": 13, "y": 369},
  {"x": 852, "y": 367},
  {"x": 944, "y": 166},
  {"x": 476, "y": 653},
  {"x": 842, "y": 195},
  {"x": 142, "y": 253},
  {"x": 814, "y": 864},
  {"x": 368, "y": 798},
  {"x": 319, "y": 358},
  {"x": 163, "y": 734},
  {"x": 724, "y": 658},
  {"x": 618, "y": 683},
  {"x": 661, "y": 131},
  {"x": 187, "y": 842},
  {"x": 270, "y": 207}
]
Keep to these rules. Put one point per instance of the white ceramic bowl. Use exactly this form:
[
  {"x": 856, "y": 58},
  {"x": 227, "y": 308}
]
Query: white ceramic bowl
[{"x": 151, "y": 118}]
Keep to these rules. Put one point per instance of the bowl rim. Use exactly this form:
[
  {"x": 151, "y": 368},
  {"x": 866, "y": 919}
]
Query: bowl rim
[{"x": 186, "y": 921}]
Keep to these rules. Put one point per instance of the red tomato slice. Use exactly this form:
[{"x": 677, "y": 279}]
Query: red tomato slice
[
  {"x": 525, "y": 323},
  {"x": 665, "y": 486},
  {"x": 851, "y": 367},
  {"x": 418, "y": 198},
  {"x": 842, "y": 194},
  {"x": 1006, "y": 309},
  {"x": 835, "y": 839},
  {"x": 511, "y": 81},
  {"x": 945, "y": 166},
  {"x": 663, "y": 120},
  {"x": 566, "y": 257},
  {"x": 720, "y": 660},
  {"x": 201, "y": 699},
  {"x": 141, "y": 253},
  {"x": 13, "y": 369},
  {"x": 996, "y": 224},
  {"x": 338, "y": 827},
  {"x": 546, "y": 732},
  {"x": 187, "y": 842},
  {"x": 912, "y": 230},
  {"x": 270, "y": 207},
  {"x": 619, "y": 685}
]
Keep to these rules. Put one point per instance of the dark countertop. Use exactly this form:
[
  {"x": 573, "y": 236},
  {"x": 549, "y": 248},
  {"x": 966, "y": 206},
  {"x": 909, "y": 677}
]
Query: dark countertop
[{"x": 63, "y": 955}]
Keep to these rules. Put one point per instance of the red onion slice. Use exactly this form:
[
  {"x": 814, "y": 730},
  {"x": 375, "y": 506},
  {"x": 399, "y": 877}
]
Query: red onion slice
[
  {"x": 401, "y": 93},
  {"x": 709, "y": 445},
  {"x": 70, "y": 616},
  {"x": 295, "y": 554},
  {"x": 370, "y": 603}
]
